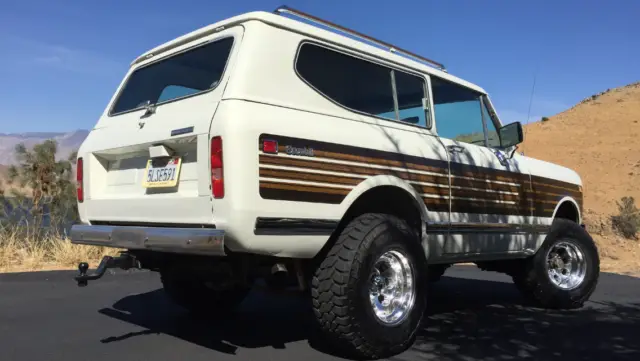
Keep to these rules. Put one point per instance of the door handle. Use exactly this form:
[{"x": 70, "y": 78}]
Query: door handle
[{"x": 455, "y": 149}]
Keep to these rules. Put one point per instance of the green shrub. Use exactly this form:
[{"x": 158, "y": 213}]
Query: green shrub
[
  {"x": 627, "y": 222},
  {"x": 40, "y": 193}
]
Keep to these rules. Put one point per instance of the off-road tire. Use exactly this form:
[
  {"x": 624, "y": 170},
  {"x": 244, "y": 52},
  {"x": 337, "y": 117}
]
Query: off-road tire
[
  {"x": 533, "y": 280},
  {"x": 340, "y": 287},
  {"x": 198, "y": 298}
]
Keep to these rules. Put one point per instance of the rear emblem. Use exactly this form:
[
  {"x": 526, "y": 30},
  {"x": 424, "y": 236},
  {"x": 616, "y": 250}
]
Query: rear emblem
[
  {"x": 181, "y": 131},
  {"x": 291, "y": 150}
]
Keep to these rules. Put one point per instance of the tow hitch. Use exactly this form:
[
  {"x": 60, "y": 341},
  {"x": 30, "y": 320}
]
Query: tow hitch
[{"x": 125, "y": 261}]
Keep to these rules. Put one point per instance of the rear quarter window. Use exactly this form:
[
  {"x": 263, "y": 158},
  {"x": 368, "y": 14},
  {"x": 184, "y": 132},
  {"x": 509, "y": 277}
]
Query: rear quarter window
[
  {"x": 182, "y": 75},
  {"x": 363, "y": 86}
]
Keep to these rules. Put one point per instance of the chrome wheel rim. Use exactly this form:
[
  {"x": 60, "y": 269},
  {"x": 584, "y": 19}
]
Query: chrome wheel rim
[
  {"x": 391, "y": 288},
  {"x": 566, "y": 265}
]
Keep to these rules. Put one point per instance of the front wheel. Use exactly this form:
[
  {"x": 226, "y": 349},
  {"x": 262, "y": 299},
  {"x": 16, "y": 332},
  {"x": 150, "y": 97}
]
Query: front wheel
[
  {"x": 564, "y": 272},
  {"x": 369, "y": 293}
]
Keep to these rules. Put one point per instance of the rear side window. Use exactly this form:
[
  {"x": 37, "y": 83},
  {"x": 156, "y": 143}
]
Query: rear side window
[
  {"x": 363, "y": 86},
  {"x": 185, "y": 74}
]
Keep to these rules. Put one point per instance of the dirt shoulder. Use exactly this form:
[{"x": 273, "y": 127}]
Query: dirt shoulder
[{"x": 617, "y": 254}]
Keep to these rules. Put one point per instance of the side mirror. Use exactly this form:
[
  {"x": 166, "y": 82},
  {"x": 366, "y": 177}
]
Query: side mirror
[{"x": 511, "y": 134}]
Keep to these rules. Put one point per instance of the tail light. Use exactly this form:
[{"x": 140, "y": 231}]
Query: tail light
[
  {"x": 80, "y": 179},
  {"x": 217, "y": 174}
]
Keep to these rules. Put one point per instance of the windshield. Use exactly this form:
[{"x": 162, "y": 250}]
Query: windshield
[{"x": 185, "y": 74}]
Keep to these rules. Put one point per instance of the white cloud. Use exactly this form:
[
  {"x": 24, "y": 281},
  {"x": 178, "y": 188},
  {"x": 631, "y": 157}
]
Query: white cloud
[{"x": 21, "y": 51}]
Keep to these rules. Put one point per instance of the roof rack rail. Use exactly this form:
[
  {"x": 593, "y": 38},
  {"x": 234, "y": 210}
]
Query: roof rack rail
[{"x": 392, "y": 48}]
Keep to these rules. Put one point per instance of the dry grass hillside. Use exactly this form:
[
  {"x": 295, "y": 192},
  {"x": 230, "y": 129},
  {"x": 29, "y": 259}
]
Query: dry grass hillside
[{"x": 600, "y": 139}]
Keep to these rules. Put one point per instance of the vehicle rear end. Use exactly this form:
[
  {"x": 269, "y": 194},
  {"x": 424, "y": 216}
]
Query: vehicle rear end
[{"x": 148, "y": 173}]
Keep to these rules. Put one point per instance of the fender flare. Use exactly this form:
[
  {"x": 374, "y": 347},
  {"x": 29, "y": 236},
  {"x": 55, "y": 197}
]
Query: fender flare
[
  {"x": 391, "y": 181},
  {"x": 569, "y": 200}
]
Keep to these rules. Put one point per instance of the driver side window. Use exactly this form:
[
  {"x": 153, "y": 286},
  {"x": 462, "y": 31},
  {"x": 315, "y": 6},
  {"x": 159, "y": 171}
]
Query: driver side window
[{"x": 458, "y": 112}]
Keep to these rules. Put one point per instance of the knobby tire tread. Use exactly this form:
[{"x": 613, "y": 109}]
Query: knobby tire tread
[{"x": 330, "y": 293}]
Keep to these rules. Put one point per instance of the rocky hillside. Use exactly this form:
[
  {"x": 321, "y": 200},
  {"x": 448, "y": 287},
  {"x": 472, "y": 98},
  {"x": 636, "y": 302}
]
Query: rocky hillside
[
  {"x": 600, "y": 139},
  {"x": 67, "y": 143}
]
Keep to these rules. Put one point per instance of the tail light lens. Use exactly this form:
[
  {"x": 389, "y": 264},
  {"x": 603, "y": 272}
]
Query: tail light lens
[
  {"x": 80, "y": 179},
  {"x": 217, "y": 174}
]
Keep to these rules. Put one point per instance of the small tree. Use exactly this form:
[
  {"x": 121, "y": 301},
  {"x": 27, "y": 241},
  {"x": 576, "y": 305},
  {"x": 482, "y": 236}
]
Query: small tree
[
  {"x": 40, "y": 191},
  {"x": 544, "y": 119},
  {"x": 627, "y": 222}
]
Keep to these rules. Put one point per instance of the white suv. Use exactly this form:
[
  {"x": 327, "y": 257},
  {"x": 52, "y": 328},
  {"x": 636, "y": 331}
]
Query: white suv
[{"x": 263, "y": 147}]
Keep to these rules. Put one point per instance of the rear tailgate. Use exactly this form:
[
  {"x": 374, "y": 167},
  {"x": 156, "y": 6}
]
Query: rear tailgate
[{"x": 150, "y": 164}]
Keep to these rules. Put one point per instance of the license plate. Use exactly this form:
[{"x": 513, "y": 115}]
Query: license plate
[{"x": 163, "y": 173}]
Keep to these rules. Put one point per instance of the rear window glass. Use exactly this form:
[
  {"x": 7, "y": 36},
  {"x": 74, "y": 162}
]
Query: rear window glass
[
  {"x": 189, "y": 73},
  {"x": 363, "y": 86}
]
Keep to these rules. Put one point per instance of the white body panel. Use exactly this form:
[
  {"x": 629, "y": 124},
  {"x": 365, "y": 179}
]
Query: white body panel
[
  {"x": 117, "y": 150},
  {"x": 261, "y": 95}
]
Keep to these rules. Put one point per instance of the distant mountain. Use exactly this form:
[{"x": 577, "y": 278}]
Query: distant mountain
[{"x": 67, "y": 143}]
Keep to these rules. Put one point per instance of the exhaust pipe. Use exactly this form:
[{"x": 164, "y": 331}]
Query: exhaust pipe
[
  {"x": 279, "y": 269},
  {"x": 279, "y": 276}
]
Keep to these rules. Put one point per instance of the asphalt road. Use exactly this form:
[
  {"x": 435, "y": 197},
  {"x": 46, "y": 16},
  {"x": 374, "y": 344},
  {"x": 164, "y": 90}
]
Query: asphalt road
[{"x": 473, "y": 315}]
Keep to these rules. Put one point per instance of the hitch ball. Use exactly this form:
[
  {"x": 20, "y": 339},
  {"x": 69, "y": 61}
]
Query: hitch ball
[{"x": 83, "y": 267}]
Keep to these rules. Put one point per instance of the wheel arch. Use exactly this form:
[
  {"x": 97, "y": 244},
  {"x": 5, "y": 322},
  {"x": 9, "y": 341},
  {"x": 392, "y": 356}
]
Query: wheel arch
[
  {"x": 568, "y": 208},
  {"x": 387, "y": 183},
  {"x": 382, "y": 194}
]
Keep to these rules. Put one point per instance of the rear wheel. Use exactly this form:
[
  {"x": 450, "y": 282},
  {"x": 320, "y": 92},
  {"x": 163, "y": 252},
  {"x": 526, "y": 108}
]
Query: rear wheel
[
  {"x": 369, "y": 293},
  {"x": 202, "y": 297},
  {"x": 565, "y": 270}
]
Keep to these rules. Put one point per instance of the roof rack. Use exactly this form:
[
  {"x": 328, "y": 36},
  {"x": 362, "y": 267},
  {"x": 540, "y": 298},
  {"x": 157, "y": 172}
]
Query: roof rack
[{"x": 392, "y": 48}]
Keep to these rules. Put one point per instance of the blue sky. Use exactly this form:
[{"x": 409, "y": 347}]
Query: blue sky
[{"x": 62, "y": 60}]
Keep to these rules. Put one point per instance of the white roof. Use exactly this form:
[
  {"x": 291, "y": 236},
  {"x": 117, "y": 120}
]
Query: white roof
[{"x": 308, "y": 30}]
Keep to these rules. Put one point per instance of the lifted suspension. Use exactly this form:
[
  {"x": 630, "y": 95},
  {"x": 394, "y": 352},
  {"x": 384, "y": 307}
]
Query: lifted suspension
[{"x": 125, "y": 261}]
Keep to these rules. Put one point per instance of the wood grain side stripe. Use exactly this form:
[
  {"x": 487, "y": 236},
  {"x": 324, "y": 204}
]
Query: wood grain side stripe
[
  {"x": 542, "y": 190},
  {"x": 436, "y": 204},
  {"x": 301, "y": 193},
  {"x": 309, "y": 177},
  {"x": 442, "y": 179},
  {"x": 535, "y": 179},
  {"x": 486, "y": 195},
  {"x": 373, "y": 156},
  {"x": 303, "y": 188},
  {"x": 479, "y": 184},
  {"x": 307, "y": 193}
]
